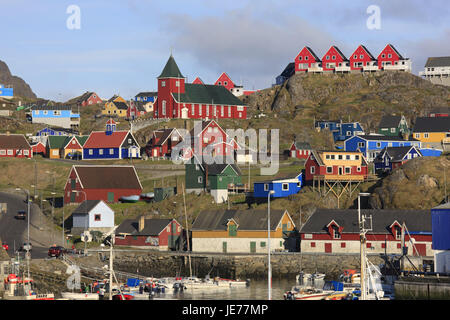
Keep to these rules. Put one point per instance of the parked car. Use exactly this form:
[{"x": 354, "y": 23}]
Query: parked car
[
  {"x": 26, "y": 247},
  {"x": 21, "y": 215},
  {"x": 5, "y": 246},
  {"x": 56, "y": 251}
]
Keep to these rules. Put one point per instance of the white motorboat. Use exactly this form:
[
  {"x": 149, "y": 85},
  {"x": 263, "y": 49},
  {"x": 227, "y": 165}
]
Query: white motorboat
[
  {"x": 312, "y": 293},
  {"x": 302, "y": 278},
  {"x": 79, "y": 296}
]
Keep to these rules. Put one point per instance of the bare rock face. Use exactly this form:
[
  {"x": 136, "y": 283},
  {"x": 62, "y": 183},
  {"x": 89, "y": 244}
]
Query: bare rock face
[
  {"x": 21, "y": 88},
  {"x": 427, "y": 182}
]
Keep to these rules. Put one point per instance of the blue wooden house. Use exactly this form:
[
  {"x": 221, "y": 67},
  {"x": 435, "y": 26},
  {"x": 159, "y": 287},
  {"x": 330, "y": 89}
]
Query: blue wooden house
[
  {"x": 340, "y": 130},
  {"x": 60, "y": 116},
  {"x": 393, "y": 157},
  {"x": 282, "y": 187},
  {"x": 6, "y": 92},
  {"x": 55, "y": 132},
  {"x": 371, "y": 145}
]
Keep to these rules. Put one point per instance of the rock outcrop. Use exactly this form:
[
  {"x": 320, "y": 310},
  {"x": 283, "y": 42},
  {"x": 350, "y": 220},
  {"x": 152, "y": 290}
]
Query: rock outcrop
[{"x": 21, "y": 88}]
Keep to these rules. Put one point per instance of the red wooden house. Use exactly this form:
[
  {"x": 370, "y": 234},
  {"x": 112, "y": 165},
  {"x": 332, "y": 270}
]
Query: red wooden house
[
  {"x": 334, "y": 60},
  {"x": 225, "y": 81},
  {"x": 88, "y": 98},
  {"x": 390, "y": 59},
  {"x": 178, "y": 99},
  {"x": 198, "y": 81},
  {"x": 39, "y": 148},
  {"x": 337, "y": 231},
  {"x": 107, "y": 183},
  {"x": 300, "y": 150},
  {"x": 363, "y": 60},
  {"x": 336, "y": 165},
  {"x": 161, "y": 234},
  {"x": 210, "y": 134},
  {"x": 14, "y": 146},
  {"x": 307, "y": 61},
  {"x": 162, "y": 142},
  {"x": 135, "y": 109}
]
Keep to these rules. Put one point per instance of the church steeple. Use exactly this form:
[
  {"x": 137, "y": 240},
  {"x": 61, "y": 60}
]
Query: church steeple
[{"x": 171, "y": 69}]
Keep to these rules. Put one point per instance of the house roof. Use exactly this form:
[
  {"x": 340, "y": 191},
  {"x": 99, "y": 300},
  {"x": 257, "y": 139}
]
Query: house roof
[
  {"x": 48, "y": 107},
  {"x": 147, "y": 94},
  {"x": 81, "y": 140},
  {"x": 432, "y": 124},
  {"x": 289, "y": 70},
  {"x": 395, "y": 153},
  {"x": 171, "y": 69},
  {"x": 13, "y": 141},
  {"x": 163, "y": 135},
  {"x": 86, "y": 206},
  {"x": 152, "y": 227},
  {"x": 100, "y": 139},
  {"x": 368, "y": 52},
  {"x": 415, "y": 220},
  {"x": 108, "y": 177},
  {"x": 395, "y": 50},
  {"x": 388, "y": 121},
  {"x": 57, "y": 142},
  {"x": 212, "y": 220},
  {"x": 437, "y": 62},
  {"x": 313, "y": 53},
  {"x": 216, "y": 169},
  {"x": 379, "y": 137},
  {"x": 340, "y": 53},
  {"x": 302, "y": 145},
  {"x": 207, "y": 94},
  {"x": 120, "y": 105}
]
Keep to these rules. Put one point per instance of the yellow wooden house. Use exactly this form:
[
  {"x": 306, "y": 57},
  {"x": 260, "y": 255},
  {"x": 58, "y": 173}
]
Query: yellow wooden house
[
  {"x": 432, "y": 132},
  {"x": 242, "y": 231},
  {"x": 116, "y": 106}
]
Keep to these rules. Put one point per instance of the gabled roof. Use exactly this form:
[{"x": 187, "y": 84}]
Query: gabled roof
[
  {"x": 415, "y": 220},
  {"x": 379, "y": 137},
  {"x": 289, "y": 70},
  {"x": 80, "y": 139},
  {"x": 338, "y": 51},
  {"x": 163, "y": 135},
  {"x": 108, "y": 177},
  {"x": 86, "y": 206},
  {"x": 396, "y": 153},
  {"x": 51, "y": 107},
  {"x": 251, "y": 220},
  {"x": 433, "y": 62},
  {"x": 395, "y": 50},
  {"x": 198, "y": 81},
  {"x": 388, "y": 121},
  {"x": 207, "y": 94},
  {"x": 432, "y": 124},
  {"x": 120, "y": 105},
  {"x": 216, "y": 169},
  {"x": 312, "y": 53},
  {"x": 147, "y": 94},
  {"x": 152, "y": 227},
  {"x": 300, "y": 145},
  {"x": 58, "y": 142},
  {"x": 367, "y": 51},
  {"x": 13, "y": 141},
  {"x": 100, "y": 139},
  {"x": 171, "y": 70}
]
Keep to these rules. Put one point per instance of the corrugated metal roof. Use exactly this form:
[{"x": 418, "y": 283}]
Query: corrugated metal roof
[{"x": 437, "y": 62}]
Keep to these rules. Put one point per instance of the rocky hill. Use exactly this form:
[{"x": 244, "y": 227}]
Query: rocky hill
[
  {"x": 21, "y": 88},
  {"x": 356, "y": 97}
]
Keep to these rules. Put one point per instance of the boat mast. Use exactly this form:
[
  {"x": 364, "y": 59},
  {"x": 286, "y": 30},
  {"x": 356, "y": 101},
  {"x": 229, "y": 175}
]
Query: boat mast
[
  {"x": 362, "y": 243},
  {"x": 187, "y": 232}
]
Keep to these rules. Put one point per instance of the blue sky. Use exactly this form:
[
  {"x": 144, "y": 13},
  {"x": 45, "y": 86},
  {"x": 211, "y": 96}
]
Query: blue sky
[{"x": 122, "y": 46}]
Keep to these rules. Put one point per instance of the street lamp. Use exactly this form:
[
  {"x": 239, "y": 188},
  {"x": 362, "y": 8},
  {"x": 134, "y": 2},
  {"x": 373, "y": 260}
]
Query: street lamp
[
  {"x": 362, "y": 239},
  {"x": 269, "y": 273},
  {"x": 28, "y": 228}
]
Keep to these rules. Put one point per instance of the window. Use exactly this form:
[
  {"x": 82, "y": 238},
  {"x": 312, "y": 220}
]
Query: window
[
  {"x": 355, "y": 57},
  {"x": 57, "y": 113},
  {"x": 163, "y": 108},
  {"x": 313, "y": 244},
  {"x": 2, "y": 152},
  {"x": 389, "y": 55},
  {"x": 200, "y": 179},
  {"x": 378, "y": 144},
  {"x": 358, "y": 169},
  {"x": 356, "y": 157},
  {"x": 306, "y": 58},
  {"x": 336, "y": 233},
  {"x": 225, "y": 83},
  {"x": 361, "y": 144},
  {"x": 229, "y": 111},
  {"x": 177, "y": 83},
  {"x": 328, "y": 57},
  {"x": 340, "y": 157},
  {"x": 91, "y": 152},
  {"x": 300, "y": 58},
  {"x": 219, "y": 83},
  {"x": 332, "y": 157},
  {"x": 25, "y": 152},
  {"x": 98, "y": 217},
  {"x": 54, "y": 152},
  {"x": 285, "y": 187},
  {"x": 313, "y": 170},
  {"x": 111, "y": 151},
  {"x": 342, "y": 244},
  {"x": 327, "y": 157},
  {"x": 232, "y": 232},
  {"x": 266, "y": 187},
  {"x": 361, "y": 56},
  {"x": 45, "y": 112},
  {"x": 329, "y": 169},
  {"x": 425, "y": 135},
  {"x": 163, "y": 83},
  {"x": 417, "y": 135},
  {"x": 348, "y": 170},
  {"x": 347, "y": 157},
  {"x": 263, "y": 244},
  {"x": 383, "y": 55},
  {"x": 100, "y": 151}
]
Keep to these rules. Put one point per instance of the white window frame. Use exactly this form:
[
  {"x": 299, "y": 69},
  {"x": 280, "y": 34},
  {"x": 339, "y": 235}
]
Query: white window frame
[
  {"x": 285, "y": 187},
  {"x": 312, "y": 170},
  {"x": 266, "y": 187}
]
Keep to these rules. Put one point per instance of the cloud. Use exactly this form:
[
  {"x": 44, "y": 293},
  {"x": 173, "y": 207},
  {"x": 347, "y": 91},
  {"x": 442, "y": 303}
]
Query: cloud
[{"x": 244, "y": 45}]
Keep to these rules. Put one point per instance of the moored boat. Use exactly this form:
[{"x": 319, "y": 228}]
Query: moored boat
[
  {"x": 80, "y": 296},
  {"x": 130, "y": 199}
]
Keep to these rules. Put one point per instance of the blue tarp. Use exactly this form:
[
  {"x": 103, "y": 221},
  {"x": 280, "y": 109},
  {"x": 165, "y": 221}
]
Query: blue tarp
[
  {"x": 428, "y": 152},
  {"x": 133, "y": 282}
]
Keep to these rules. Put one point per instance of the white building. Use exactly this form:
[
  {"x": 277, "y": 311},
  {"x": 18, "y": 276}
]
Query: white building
[
  {"x": 92, "y": 215},
  {"x": 437, "y": 70}
]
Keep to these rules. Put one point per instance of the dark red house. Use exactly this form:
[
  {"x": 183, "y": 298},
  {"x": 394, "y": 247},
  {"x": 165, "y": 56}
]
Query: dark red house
[
  {"x": 162, "y": 142},
  {"x": 135, "y": 109},
  {"x": 161, "y": 234},
  {"x": 225, "y": 81},
  {"x": 107, "y": 183},
  {"x": 363, "y": 60},
  {"x": 337, "y": 231},
  {"x": 178, "y": 99},
  {"x": 39, "y": 148},
  {"x": 14, "y": 146},
  {"x": 198, "y": 81},
  {"x": 333, "y": 58},
  {"x": 300, "y": 150},
  {"x": 306, "y": 59},
  {"x": 88, "y": 98}
]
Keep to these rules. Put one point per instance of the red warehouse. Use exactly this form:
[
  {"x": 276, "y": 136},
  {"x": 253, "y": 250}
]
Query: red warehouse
[
  {"x": 337, "y": 231},
  {"x": 161, "y": 234},
  {"x": 14, "y": 146},
  {"x": 178, "y": 99},
  {"x": 107, "y": 183}
]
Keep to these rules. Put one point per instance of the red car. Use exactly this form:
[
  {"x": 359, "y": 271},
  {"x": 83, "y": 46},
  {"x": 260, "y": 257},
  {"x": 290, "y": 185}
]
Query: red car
[
  {"x": 5, "y": 246},
  {"x": 56, "y": 251}
]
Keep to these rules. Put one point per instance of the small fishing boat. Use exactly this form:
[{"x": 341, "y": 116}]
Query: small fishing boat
[
  {"x": 130, "y": 199},
  {"x": 17, "y": 288},
  {"x": 305, "y": 277},
  {"x": 312, "y": 293},
  {"x": 233, "y": 283}
]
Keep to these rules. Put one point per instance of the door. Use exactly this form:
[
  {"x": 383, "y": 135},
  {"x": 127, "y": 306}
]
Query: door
[
  {"x": 224, "y": 247},
  {"x": 72, "y": 197},
  {"x": 293, "y": 154},
  {"x": 155, "y": 152},
  {"x": 327, "y": 247},
  {"x": 252, "y": 247},
  {"x": 110, "y": 197},
  {"x": 340, "y": 171},
  {"x": 184, "y": 113}
]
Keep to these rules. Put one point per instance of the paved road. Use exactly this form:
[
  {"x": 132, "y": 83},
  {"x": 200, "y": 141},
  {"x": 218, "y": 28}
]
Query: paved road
[{"x": 14, "y": 232}]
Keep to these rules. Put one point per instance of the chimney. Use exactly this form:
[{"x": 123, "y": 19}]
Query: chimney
[{"x": 141, "y": 223}]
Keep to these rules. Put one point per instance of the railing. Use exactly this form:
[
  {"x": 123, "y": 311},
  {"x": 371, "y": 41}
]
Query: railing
[{"x": 345, "y": 177}]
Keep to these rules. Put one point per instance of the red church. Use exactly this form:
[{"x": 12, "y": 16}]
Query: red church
[{"x": 180, "y": 100}]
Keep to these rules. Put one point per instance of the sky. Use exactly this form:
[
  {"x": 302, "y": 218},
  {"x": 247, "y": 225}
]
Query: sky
[{"x": 121, "y": 46}]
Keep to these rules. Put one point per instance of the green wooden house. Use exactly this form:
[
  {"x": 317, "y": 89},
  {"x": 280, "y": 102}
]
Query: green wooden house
[
  {"x": 394, "y": 126},
  {"x": 213, "y": 178}
]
